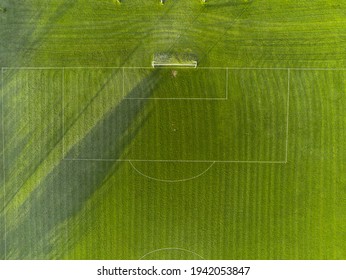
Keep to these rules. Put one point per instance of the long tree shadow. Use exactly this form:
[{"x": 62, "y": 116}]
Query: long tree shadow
[
  {"x": 70, "y": 184},
  {"x": 66, "y": 189}
]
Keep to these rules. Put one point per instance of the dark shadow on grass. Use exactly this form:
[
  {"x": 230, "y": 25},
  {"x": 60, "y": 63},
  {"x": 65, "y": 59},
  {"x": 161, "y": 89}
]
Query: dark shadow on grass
[
  {"x": 63, "y": 192},
  {"x": 113, "y": 134}
]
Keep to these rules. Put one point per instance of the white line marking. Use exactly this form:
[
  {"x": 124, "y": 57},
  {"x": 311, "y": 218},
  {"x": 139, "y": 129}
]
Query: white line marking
[
  {"x": 32, "y": 68},
  {"x": 176, "y": 98},
  {"x": 227, "y": 84},
  {"x": 171, "y": 181},
  {"x": 184, "y": 65},
  {"x": 175, "y": 160},
  {"x": 227, "y": 69},
  {"x": 146, "y": 67},
  {"x": 164, "y": 249},
  {"x": 123, "y": 94},
  {"x": 318, "y": 69},
  {"x": 180, "y": 98},
  {"x": 3, "y": 157},
  {"x": 288, "y": 112},
  {"x": 63, "y": 112}
]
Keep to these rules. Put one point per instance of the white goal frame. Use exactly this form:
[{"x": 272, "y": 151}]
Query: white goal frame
[{"x": 155, "y": 64}]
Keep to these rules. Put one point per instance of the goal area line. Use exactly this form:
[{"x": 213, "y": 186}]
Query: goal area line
[{"x": 220, "y": 95}]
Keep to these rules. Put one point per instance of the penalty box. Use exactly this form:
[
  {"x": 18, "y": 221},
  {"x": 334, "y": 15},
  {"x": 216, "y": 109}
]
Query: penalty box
[{"x": 146, "y": 124}]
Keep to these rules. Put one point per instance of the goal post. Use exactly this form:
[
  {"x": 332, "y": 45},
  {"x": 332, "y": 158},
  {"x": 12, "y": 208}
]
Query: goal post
[{"x": 174, "y": 60}]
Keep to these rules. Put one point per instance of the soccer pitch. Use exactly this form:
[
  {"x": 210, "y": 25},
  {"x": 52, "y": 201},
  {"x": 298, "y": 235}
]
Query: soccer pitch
[{"x": 106, "y": 157}]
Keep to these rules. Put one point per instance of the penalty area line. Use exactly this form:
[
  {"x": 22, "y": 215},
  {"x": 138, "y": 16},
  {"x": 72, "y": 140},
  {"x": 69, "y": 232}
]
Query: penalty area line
[
  {"x": 287, "y": 113},
  {"x": 3, "y": 159},
  {"x": 174, "y": 160}
]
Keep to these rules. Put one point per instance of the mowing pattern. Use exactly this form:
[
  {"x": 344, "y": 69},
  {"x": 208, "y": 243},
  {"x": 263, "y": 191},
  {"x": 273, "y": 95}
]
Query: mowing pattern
[{"x": 55, "y": 206}]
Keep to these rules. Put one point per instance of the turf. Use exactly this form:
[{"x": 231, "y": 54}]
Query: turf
[{"x": 243, "y": 163}]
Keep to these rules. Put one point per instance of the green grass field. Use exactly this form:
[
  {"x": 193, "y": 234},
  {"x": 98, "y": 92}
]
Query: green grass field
[{"x": 105, "y": 157}]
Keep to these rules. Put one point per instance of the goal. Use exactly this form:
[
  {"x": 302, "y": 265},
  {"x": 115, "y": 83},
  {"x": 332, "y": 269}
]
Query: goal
[{"x": 174, "y": 60}]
